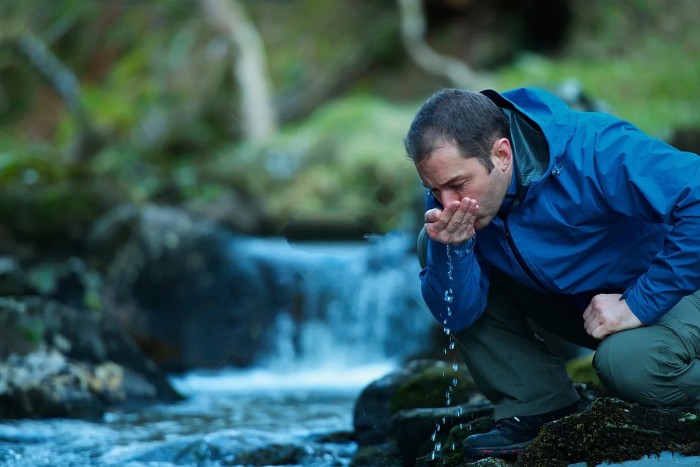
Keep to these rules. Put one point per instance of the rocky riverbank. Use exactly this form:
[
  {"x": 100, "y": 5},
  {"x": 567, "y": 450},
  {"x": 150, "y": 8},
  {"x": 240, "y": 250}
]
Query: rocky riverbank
[
  {"x": 61, "y": 361},
  {"x": 403, "y": 419}
]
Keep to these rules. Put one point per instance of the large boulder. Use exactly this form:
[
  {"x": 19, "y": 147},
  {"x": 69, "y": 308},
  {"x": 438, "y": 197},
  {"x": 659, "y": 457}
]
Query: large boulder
[
  {"x": 174, "y": 282},
  {"x": 61, "y": 361}
]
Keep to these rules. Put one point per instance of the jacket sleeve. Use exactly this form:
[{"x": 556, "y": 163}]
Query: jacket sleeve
[
  {"x": 453, "y": 283},
  {"x": 643, "y": 177}
]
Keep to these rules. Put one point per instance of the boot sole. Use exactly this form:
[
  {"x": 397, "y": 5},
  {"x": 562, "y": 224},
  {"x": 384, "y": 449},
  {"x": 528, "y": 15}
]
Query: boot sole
[{"x": 512, "y": 450}]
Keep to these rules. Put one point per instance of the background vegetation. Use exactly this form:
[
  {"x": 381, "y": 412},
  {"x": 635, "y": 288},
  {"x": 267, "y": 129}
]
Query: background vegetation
[{"x": 104, "y": 102}]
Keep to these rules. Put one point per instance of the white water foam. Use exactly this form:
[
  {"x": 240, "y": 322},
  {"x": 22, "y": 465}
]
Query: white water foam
[{"x": 325, "y": 378}]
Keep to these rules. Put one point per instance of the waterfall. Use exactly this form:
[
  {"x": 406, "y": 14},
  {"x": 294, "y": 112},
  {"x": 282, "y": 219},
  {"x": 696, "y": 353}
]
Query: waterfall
[{"x": 344, "y": 304}]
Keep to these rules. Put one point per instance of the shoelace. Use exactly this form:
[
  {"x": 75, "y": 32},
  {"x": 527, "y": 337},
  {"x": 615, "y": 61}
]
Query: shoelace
[{"x": 524, "y": 426}]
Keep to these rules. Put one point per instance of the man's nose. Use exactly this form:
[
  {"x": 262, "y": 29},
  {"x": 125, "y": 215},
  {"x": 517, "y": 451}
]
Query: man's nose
[{"x": 447, "y": 196}]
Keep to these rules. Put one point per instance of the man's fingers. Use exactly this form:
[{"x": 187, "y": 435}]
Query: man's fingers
[
  {"x": 446, "y": 214},
  {"x": 432, "y": 215},
  {"x": 453, "y": 224},
  {"x": 459, "y": 218}
]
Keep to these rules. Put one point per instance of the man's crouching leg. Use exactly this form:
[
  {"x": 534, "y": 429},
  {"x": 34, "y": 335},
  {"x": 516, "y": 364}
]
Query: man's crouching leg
[
  {"x": 656, "y": 365},
  {"x": 524, "y": 379}
]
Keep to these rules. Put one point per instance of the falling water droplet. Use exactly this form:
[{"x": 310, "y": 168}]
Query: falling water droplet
[{"x": 448, "y": 295}]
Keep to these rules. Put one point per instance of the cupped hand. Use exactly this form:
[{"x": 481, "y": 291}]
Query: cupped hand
[
  {"x": 454, "y": 224},
  {"x": 608, "y": 314}
]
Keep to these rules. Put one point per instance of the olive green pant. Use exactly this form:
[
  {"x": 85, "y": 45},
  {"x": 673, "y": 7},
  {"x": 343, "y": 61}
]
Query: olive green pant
[{"x": 657, "y": 365}]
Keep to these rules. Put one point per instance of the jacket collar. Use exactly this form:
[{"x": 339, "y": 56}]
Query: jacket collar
[{"x": 530, "y": 148}]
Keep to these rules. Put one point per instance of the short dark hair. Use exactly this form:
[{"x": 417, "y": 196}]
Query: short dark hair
[{"x": 469, "y": 120}]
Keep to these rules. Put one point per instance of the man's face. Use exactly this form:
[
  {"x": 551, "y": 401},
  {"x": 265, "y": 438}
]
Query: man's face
[{"x": 451, "y": 177}]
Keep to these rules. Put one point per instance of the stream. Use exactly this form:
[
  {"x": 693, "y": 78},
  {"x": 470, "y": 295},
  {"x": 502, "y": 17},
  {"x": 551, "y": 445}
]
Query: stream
[
  {"x": 295, "y": 406},
  {"x": 230, "y": 417}
]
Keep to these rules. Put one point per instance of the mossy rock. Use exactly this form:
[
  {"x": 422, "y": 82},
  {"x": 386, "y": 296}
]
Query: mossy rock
[
  {"x": 451, "y": 453},
  {"x": 378, "y": 455},
  {"x": 612, "y": 430},
  {"x": 436, "y": 386}
]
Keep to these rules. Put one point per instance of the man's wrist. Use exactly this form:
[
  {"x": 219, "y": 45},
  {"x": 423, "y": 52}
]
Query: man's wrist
[{"x": 465, "y": 247}]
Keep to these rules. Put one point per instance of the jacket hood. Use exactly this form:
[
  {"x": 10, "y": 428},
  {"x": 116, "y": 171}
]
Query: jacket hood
[{"x": 544, "y": 110}]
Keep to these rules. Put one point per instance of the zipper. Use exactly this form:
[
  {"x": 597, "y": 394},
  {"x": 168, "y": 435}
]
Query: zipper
[
  {"x": 556, "y": 167},
  {"x": 518, "y": 257}
]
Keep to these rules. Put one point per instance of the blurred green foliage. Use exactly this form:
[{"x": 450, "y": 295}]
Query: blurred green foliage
[
  {"x": 345, "y": 160},
  {"x": 636, "y": 55},
  {"x": 157, "y": 84}
]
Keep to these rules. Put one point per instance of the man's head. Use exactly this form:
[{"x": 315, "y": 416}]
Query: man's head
[
  {"x": 459, "y": 144},
  {"x": 467, "y": 120}
]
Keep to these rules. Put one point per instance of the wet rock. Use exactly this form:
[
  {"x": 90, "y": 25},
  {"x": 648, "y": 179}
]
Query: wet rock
[
  {"x": 174, "y": 282},
  {"x": 421, "y": 384},
  {"x": 403, "y": 414},
  {"x": 608, "y": 430},
  {"x": 45, "y": 384},
  {"x": 612, "y": 430},
  {"x": 420, "y": 431},
  {"x": 59, "y": 361},
  {"x": 378, "y": 455}
]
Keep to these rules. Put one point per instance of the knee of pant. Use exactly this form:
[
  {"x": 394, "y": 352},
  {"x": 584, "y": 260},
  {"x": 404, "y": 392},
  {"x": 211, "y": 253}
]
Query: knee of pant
[{"x": 641, "y": 368}]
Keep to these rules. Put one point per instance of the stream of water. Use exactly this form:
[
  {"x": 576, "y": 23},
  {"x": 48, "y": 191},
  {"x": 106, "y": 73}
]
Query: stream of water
[
  {"x": 295, "y": 407},
  {"x": 229, "y": 418}
]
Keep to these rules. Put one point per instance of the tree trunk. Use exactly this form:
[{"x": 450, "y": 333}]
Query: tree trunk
[
  {"x": 413, "y": 29},
  {"x": 257, "y": 112}
]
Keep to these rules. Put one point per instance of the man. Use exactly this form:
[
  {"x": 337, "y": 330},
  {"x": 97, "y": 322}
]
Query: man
[{"x": 577, "y": 221}]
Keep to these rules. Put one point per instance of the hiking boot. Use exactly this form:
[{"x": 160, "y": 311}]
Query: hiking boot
[{"x": 511, "y": 435}]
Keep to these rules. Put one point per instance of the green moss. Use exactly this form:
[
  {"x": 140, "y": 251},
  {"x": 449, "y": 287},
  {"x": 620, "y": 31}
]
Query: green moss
[
  {"x": 613, "y": 431},
  {"x": 20, "y": 330},
  {"x": 346, "y": 161},
  {"x": 635, "y": 56},
  {"x": 581, "y": 370},
  {"x": 433, "y": 388}
]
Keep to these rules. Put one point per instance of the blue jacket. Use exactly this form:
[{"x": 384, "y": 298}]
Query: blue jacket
[{"x": 602, "y": 208}]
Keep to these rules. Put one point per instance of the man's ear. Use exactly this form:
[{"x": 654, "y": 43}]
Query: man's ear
[{"x": 502, "y": 154}]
